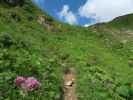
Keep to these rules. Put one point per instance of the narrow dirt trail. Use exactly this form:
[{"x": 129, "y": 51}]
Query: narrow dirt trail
[{"x": 69, "y": 85}]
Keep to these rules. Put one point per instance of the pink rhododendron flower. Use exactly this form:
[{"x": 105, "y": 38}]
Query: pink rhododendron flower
[
  {"x": 19, "y": 80},
  {"x": 28, "y": 84},
  {"x": 31, "y": 83}
]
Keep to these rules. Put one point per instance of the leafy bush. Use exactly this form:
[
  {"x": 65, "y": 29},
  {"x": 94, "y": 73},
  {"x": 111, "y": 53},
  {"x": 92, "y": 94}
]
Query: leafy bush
[{"x": 6, "y": 40}]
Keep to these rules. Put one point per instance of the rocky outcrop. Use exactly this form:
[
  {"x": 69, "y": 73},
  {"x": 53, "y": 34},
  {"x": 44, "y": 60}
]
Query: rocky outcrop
[{"x": 45, "y": 22}]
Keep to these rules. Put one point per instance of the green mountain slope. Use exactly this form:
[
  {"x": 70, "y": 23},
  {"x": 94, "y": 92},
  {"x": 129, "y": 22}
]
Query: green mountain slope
[{"x": 33, "y": 44}]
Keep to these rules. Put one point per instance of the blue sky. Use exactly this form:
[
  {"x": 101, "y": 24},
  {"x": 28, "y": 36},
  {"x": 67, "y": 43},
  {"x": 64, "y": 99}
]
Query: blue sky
[{"x": 85, "y": 12}]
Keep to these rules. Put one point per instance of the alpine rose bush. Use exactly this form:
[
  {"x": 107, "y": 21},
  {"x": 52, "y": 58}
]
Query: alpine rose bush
[
  {"x": 28, "y": 84},
  {"x": 19, "y": 80}
]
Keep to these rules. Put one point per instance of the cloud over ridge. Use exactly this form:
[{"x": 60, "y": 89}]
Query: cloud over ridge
[{"x": 105, "y": 10}]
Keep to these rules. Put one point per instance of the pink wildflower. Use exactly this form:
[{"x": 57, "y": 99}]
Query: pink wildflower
[
  {"x": 28, "y": 84},
  {"x": 19, "y": 80},
  {"x": 31, "y": 84}
]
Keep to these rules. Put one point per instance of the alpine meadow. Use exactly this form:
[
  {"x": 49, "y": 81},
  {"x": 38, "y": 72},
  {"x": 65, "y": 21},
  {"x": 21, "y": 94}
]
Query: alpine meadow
[{"x": 98, "y": 59}]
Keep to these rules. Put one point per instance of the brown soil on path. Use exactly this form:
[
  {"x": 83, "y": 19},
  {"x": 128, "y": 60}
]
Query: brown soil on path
[{"x": 69, "y": 85}]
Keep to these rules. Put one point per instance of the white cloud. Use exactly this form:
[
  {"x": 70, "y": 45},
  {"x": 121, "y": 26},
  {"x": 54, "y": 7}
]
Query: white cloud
[
  {"x": 87, "y": 25},
  {"x": 105, "y": 10},
  {"x": 67, "y": 15}
]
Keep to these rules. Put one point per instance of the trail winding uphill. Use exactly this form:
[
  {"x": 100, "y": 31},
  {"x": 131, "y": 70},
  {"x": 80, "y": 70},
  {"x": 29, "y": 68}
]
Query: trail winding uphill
[{"x": 69, "y": 85}]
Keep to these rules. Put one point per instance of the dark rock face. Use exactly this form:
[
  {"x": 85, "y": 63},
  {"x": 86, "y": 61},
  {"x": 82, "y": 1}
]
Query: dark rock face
[
  {"x": 15, "y": 2},
  {"x": 16, "y": 17},
  {"x": 30, "y": 18}
]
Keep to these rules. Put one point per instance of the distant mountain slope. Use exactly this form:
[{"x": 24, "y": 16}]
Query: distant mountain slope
[
  {"x": 121, "y": 27},
  {"x": 123, "y": 21},
  {"x": 34, "y": 44},
  {"x": 120, "y": 22}
]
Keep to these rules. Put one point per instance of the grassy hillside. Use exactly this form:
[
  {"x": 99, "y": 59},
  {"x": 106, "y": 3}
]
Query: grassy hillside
[
  {"x": 23, "y": 52},
  {"x": 33, "y": 44}
]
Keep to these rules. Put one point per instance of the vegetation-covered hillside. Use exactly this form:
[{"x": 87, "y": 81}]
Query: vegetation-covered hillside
[{"x": 33, "y": 44}]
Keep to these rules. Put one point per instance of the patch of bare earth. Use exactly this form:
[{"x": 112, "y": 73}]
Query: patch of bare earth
[{"x": 69, "y": 85}]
